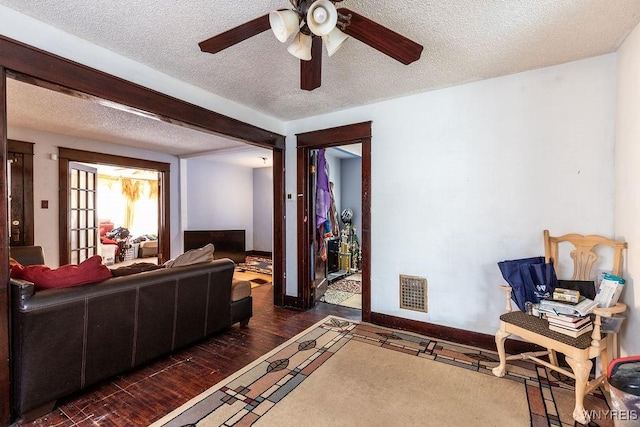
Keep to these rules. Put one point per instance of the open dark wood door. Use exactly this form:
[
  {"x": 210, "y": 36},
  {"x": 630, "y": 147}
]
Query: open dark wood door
[{"x": 20, "y": 158}]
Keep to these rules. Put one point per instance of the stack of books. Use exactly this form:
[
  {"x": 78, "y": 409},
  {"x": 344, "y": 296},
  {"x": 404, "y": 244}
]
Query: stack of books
[
  {"x": 582, "y": 308},
  {"x": 573, "y": 326}
]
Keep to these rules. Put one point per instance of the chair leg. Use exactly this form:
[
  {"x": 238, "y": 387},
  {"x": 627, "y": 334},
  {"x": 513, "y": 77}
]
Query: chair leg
[
  {"x": 500, "y": 370},
  {"x": 581, "y": 369},
  {"x": 553, "y": 357}
]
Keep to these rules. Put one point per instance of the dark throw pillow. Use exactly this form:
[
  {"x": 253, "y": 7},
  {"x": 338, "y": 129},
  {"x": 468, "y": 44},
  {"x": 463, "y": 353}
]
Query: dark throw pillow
[{"x": 135, "y": 268}]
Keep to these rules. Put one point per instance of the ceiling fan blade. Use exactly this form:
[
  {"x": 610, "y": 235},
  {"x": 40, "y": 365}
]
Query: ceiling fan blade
[
  {"x": 381, "y": 38},
  {"x": 235, "y": 35},
  {"x": 311, "y": 71}
]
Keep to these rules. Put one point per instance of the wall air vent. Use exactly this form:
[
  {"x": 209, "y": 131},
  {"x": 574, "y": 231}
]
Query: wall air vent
[{"x": 413, "y": 293}]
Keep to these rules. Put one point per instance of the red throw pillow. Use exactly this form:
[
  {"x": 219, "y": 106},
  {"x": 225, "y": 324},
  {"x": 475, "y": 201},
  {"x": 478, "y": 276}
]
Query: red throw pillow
[
  {"x": 106, "y": 241},
  {"x": 88, "y": 271}
]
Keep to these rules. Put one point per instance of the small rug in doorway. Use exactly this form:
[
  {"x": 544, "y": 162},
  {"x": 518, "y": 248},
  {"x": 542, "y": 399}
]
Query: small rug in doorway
[
  {"x": 351, "y": 284},
  {"x": 256, "y": 279},
  {"x": 358, "y": 374},
  {"x": 346, "y": 292},
  {"x": 256, "y": 264}
]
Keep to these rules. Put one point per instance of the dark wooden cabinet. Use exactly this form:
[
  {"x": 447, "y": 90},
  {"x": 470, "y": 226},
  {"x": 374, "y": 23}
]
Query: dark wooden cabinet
[
  {"x": 227, "y": 243},
  {"x": 333, "y": 247}
]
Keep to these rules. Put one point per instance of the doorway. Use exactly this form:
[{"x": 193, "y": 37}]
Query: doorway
[
  {"x": 127, "y": 212},
  {"x": 67, "y": 157},
  {"x": 343, "y": 255},
  {"x": 308, "y": 282}
]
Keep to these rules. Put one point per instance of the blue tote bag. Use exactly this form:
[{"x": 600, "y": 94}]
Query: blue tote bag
[{"x": 531, "y": 279}]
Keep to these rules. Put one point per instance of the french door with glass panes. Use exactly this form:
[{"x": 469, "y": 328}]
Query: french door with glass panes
[{"x": 83, "y": 225}]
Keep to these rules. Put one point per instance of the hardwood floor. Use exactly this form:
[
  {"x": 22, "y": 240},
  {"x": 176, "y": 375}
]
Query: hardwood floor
[{"x": 146, "y": 394}]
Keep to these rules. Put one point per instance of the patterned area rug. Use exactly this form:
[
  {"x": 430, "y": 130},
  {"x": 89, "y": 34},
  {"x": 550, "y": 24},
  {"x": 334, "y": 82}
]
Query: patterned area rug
[
  {"x": 256, "y": 279},
  {"x": 351, "y": 284},
  {"x": 360, "y": 374},
  {"x": 345, "y": 292},
  {"x": 256, "y": 264}
]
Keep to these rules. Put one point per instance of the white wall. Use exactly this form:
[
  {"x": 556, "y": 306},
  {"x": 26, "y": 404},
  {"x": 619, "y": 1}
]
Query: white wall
[
  {"x": 219, "y": 196},
  {"x": 467, "y": 176},
  {"x": 351, "y": 191},
  {"x": 263, "y": 209},
  {"x": 335, "y": 176},
  {"x": 222, "y": 196},
  {"x": 627, "y": 183},
  {"x": 45, "y": 184}
]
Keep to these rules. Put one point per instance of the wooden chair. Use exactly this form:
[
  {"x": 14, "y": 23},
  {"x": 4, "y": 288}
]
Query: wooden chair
[{"x": 578, "y": 351}]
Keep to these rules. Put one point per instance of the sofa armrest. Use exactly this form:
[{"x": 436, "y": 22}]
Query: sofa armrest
[{"x": 21, "y": 290}]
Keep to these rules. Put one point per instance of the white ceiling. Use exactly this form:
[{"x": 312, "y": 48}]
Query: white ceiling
[
  {"x": 464, "y": 41},
  {"x": 352, "y": 151},
  {"x": 30, "y": 107}
]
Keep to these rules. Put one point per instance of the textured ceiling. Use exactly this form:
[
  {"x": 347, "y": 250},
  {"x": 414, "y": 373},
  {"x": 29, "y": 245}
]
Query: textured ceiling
[
  {"x": 90, "y": 120},
  {"x": 464, "y": 41}
]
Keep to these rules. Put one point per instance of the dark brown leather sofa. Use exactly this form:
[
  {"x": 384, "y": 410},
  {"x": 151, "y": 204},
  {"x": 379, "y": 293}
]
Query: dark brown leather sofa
[{"x": 66, "y": 339}]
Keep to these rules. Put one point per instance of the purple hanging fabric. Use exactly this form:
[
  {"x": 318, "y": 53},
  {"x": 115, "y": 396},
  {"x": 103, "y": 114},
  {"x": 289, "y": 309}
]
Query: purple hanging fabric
[{"x": 323, "y": 195}]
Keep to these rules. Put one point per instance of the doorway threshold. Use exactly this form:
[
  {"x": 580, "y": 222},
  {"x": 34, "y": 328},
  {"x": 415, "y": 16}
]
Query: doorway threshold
[{"x": 337, "y": 275}]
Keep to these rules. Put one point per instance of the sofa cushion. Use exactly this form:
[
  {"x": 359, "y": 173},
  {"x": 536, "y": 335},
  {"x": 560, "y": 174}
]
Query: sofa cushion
[
  {"x": 194, "y": 256},
  {"x": 240, "y": 289},
  {"x": 43, "y": 277}
]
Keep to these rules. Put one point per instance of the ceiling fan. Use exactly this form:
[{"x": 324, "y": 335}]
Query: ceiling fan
[{"x": 312, "y": 23}]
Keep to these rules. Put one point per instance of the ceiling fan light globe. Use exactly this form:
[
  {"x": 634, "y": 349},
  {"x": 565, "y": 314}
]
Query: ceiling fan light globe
[
  {"x": 322, "y": 17},
  {"x": 284, "y": 23},
  {"x": 334, "y": 40},
  {"x": 301, "y": 47}
]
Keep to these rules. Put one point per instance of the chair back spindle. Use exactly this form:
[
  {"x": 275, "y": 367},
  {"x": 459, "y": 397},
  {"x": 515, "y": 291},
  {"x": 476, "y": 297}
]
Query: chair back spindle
[{"x": 583, "y": 254}]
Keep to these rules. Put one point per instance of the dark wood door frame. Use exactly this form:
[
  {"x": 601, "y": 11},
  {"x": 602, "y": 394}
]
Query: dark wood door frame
[
  {"x": 5, "y": 371},
  {"x": 29, "y": 64},
  {"x": 343, "y": 135},
  {"x": 66, "y": 155},
  {"x": 279, "y": 224}
]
